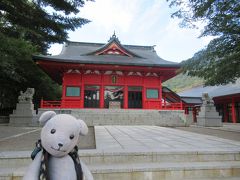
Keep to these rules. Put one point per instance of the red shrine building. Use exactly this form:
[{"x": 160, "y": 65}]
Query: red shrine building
[
  {"x": 226, "y": 100},
  {"x": 110, "y": 75}
]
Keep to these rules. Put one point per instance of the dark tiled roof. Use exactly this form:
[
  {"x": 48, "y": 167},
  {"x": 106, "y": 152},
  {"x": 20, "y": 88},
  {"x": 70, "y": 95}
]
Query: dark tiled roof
[
  {"x": 213, "y": 91},
  {"x": 192, "y": 100},
  {"x": 80, "y": 52}
]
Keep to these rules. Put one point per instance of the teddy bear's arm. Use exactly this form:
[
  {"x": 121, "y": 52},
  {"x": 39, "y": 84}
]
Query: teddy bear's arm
[
  {"x": 32, "y": 172},
  {"x": 86, "y": 172}
]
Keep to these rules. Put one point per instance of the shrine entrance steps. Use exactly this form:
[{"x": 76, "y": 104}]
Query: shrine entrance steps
[
  {"x": 98, "y": 117},
  {"x": 147, "y": 153},
  {"x": 143, "y": 165}
]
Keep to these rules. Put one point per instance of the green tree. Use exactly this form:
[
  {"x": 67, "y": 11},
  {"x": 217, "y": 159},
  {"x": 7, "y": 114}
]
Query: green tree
[
  {"x": 41, "y": 22},
  {"x": 28, "y": 27},
  {"x": 219, "y": 62}
]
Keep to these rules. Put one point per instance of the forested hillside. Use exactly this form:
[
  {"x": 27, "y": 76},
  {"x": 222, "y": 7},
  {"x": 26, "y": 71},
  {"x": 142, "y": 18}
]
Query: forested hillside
[{"x": 182, "y": 82}]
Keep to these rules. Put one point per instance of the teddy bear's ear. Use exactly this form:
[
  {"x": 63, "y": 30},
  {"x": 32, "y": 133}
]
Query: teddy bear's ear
[
  {"x": 46, "y": 116},
  {"x": 83, "y": 127}
]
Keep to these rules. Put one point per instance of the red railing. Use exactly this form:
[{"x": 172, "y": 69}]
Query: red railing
[
  {"x": 50, "y": 104},
  {"x": 172, "y": 106},
  {"x": 75, "y": 104}
]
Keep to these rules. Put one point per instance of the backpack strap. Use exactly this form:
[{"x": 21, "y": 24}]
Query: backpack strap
[{"x": 74, "y": 155}]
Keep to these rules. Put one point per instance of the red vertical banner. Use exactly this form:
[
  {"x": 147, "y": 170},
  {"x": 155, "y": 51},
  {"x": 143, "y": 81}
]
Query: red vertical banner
[{"x": 233, "y": 112}]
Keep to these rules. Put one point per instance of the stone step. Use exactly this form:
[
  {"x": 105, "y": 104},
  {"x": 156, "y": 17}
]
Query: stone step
[
  {"x": 167, "y": 171},
  {"x": 132, "y": 119},
  {"x": 93, "y": 157},
  {"x": 95, "y": 117},
  {"x": 12, "y": 173},
  {"x": 14, "y": 159},
  {"x": 153, "y": 171},
  {"x": 157, "y": 157}
]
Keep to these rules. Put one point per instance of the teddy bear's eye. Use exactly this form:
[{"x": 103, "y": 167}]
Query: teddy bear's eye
[
  {"x": 71, "y": 137},
  {"x": 53, "y": 131}
]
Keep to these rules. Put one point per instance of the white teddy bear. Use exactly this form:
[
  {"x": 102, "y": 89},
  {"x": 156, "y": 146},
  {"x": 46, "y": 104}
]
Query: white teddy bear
[{"x": 55, "y": 157}]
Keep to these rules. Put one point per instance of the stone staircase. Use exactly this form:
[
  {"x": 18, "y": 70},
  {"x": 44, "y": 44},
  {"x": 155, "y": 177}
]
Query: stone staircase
[
  {"x": 141, "y": 165},
  {"x": 98, "y": 117}
]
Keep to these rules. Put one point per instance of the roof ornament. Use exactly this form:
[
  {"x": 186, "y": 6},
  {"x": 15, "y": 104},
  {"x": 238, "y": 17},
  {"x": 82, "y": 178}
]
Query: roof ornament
[
  {"x": 153, "y": 48},
  {"x": 114, "y": 37}
]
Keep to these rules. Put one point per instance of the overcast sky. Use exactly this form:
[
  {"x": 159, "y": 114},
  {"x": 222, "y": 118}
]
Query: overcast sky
[{"x": 138, "y": 22}]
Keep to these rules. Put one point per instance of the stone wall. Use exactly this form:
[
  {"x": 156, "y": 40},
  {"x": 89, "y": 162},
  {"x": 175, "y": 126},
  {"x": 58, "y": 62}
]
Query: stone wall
[
  {"x": 4, "y": 119},
  {"x": 98, "y": 117}
]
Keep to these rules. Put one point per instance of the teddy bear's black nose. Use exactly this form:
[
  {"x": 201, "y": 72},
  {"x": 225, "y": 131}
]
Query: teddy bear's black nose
[{"x": 60, "y": 144}]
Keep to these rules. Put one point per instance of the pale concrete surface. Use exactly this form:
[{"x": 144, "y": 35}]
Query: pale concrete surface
[
  {"x": 228, "y": 127},
  {"x": 227, "y": 131},
  {"x": 133, "y": 137},
  {"x": 158, "y": 138},
  {"x": 137, "y": 152}
]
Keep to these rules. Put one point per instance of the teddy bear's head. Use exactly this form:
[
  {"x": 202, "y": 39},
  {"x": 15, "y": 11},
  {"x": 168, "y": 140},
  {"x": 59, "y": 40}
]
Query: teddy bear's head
[{"x": 60, "y": 132}]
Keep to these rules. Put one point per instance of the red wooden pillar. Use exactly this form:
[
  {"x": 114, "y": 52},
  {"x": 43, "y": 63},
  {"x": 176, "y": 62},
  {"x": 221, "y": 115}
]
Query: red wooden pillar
[
  {"x": 144, "y": 99},
  {"x": 181, "y": 105},
  {"x": 63, "y": 87},
  {"x": 194, "y": 112},
  {"x": 125, "y": 92},
  {"x": 125, "y": 97},
  {"x": 102, "y": 90},
  {"x": 225, "y": 113},
  {"x": 233, "y": 112},
  {"x": 41, "y": 103},
  {"x": 164, "y": 101},
  {"x": 63, "y": 91},
  {"x": 82, "y": 90},
  {"x": 160, "y": 91}
]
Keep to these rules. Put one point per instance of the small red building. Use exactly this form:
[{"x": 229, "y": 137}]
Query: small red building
[
  {"x": 226, "y": 100},
  {"x": 110, "y": 75}
]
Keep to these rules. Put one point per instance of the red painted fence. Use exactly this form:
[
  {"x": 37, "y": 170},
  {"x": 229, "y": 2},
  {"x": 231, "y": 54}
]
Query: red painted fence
[
  {"x": 50, "y": 104},
  {"x": 59, "y": 104}
]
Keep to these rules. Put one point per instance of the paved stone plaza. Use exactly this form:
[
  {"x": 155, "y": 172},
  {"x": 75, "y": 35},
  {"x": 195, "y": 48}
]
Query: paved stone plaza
[
  {"x": 133, "y": 137},
  {"x": 136, "y": 153},
  {"x": 156, "y": 138}
]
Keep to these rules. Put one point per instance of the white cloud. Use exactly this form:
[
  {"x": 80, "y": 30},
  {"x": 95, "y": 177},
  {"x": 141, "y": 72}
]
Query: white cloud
[
  {"x": 55, "y": 49},
  {"x": 140, "y": 22},
  {"x": 108, "y": 14}
]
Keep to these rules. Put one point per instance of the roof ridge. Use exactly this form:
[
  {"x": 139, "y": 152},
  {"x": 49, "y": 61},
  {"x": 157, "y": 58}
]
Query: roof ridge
[
  {"x": 102, "y": 44},
  {"x": 85, "y": 43}
]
